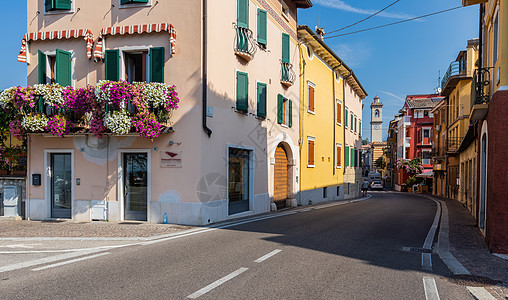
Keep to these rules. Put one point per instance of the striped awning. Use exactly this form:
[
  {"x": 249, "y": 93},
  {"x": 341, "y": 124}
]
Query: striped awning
[
  {"x": 58, "y": 34},
  {"x": 146, "y": 28}
]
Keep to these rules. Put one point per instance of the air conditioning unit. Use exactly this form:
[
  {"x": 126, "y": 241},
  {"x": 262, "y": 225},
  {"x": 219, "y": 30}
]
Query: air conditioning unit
[{"x": 438, "y": 127}]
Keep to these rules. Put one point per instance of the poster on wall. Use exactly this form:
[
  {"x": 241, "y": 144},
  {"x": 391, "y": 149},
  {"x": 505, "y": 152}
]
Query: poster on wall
[{"x": 170, "y": 159}]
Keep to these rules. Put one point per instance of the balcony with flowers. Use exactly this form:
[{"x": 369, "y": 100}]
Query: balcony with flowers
[{"x": 111, "y": 107}]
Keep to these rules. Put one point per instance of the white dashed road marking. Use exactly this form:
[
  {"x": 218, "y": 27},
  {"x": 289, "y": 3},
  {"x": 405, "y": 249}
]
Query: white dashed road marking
[
  {"x": 429, "y": 284},
  {"x": 70, "y": 261},
  {"x": 267, "y": 256},
  {"x": 217, "y": 283}
]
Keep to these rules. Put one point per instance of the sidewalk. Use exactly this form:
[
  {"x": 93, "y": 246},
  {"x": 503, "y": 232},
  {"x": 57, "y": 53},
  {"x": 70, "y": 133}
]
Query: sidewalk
[{"x": 470, "y": 249}]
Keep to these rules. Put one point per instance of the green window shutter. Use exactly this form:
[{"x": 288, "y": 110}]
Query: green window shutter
[
  {"x": 285, "y": 47},
  {"x": 261, "y": 112},
  {"x": 360, "y": 128},
  {"x": 63, "y": 68},
  {"x": 48, "y": 4},
  {"x": 280, "y": 109},
  {"x": 356, "y": 158},
  {"x": 42, "y": 67},
  {"x": 63, "y": 4},
  {"x": 346, "y": 117},
  {"x": 290, "y": 112},
  {"x": 243, "y": 13},
  {"x": 112, "y": 65},
  {"x": 352, "y": 164},
  {"x": 157, "y": 64},
  {"x": 346, "y": 153},
  {"x": 352, "y": 120},
  {"x": 132, "y": 1},
  {"x": 356, "y": 121},
  {"x": 242, "y": 94},
  {"x": 262, "y": 27}
]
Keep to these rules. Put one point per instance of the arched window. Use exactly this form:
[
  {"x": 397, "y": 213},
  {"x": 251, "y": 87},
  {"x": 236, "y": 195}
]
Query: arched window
[{"x": 376, "y": 113}]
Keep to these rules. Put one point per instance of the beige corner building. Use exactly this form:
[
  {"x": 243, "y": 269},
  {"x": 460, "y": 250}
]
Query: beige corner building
[{"x": 233, "y": 140}]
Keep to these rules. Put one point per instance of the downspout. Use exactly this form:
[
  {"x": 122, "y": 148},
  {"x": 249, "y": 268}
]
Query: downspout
[
  {"x": 343, "y": 113},
  {"x": 302, "y": 114},
  {"x": 480, "y": 37},
  {"x": 334, "y": 165},
  {"x": 207, "y": 130}
]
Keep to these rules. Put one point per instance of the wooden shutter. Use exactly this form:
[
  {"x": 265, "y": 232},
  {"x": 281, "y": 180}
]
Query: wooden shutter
[
  {"x": 339, "y": 154},
  {"x": 262, "y": 27},
  {"x": 42, "y": 67},
  {"x": 352, "y": 120},
  {"x": 280, "y": 109},
  {"x": 352, "y": 156},
  {"x": 242, "y": 94},
  {"x": 243, "y": 13},
  {"x": 356, "y": 121},
  {"x": 157, "y": 64},
  {"x": 290, "y": 113},
  {"x": 63, "y": 68},
  {"x": 112, "y": 65},
  {"x": 311, "y": 98},
  {"x": 346, "y": 153},
  {"x": 285, "y": 47},
  {"x": 63, "y": 4},
  {"x": 346, "y": 117},
  {"x": 310, "y": 152},
  {"x": 261, "y": 111},
  {"x": 339, "y": 113}
]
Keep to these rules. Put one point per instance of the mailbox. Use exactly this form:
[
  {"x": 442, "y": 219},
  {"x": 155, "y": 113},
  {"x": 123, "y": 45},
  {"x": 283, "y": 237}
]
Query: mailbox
[{"x": 36, "y": 179}]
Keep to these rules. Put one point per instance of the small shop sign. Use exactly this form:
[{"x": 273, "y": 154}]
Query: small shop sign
[{"x": 171, "y": 159}]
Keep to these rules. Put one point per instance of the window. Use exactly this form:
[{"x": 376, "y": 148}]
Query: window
[
  {"x": 346, "y": 117},
  {"x": 243, "y": 13},
  {"x": 57, "y": 5},
  {"x": 376, "y": 113},
  {"x": 495, "y": 43},
  {"x": 360, "y": 128},
  {"x": 339, "y": 112},
  {"x": 311, "y": 97},
  {"x": 339, "y": 155},
  {"x": 284, "y": 111},
  {"x": 425, "y": 113},
  {"x": 352, "y": 156},
  {"x": 134, "y": 2},
  {"x": 261, "y": 111},
  {"x": 285, "y": 47},
  {"x": 346, "y": 158},
  {"x": 55, "y": 67},
  {"x": 262, "y": 27},
  {"x": 310, "y": 151},
  {"x": 242, "y": 91},
  {"x": 138, "y": 65},
  {"x": 285, "y": 10},
  {"x": 356, "y": 158},
  {"x": 426, "y": 133},
  {"x": 352, "y": 121},
  {"x": 356, "y": 121}
]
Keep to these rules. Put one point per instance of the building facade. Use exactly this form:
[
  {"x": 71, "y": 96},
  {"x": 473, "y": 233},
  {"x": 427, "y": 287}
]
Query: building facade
[{"x": 231, "y": 149}]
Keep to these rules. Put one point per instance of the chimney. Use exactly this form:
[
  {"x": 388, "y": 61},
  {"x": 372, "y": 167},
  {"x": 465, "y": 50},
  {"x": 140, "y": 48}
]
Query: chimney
[{"x": 320, "y": 32}]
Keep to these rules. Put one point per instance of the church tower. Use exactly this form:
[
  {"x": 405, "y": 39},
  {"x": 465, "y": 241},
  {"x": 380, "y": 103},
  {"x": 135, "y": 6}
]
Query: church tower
[{"x": 376, "y": 124}]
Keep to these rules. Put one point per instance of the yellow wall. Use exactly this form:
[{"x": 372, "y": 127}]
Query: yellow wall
[
  {"x": 320, "y": 124},
  {"x": 501, "y": 66}
]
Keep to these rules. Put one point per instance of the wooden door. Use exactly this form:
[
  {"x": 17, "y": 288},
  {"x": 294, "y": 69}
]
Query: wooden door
[{"x": 280, "y": 177}]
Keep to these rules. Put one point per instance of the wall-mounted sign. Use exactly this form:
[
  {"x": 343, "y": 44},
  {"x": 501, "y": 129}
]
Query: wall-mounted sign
[{"x": 171, "y": 159}]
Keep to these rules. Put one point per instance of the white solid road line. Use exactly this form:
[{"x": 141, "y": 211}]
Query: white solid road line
[
  {"x": 267, "y": 256},
  {"x": 45, "y": 260},
  {"x": 429, "y": 285},
  {"x": 217, "y": 283},
  {"x": 480, "y": 293},
  {"x": 70, "y": 261}
]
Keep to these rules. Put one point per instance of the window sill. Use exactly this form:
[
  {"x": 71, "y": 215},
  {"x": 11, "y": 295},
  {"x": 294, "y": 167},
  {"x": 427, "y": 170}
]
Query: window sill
[
  {"x": 311, "y": 166},
  {"x": 59, "y": 12},
  {"x": 134, "y": 5},
  {"x": 311, "y": 112},
  {"x": 242, "y": 112}
]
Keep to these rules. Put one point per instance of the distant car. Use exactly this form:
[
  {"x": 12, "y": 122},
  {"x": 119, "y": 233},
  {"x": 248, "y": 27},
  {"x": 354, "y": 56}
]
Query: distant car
[{"x": 376, "y": 185}]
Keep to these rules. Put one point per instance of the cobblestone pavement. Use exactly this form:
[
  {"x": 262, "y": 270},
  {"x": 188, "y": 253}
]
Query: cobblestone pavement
[
  {"x": 14, "y": 229},
  {"x": 470, "y": 249}
]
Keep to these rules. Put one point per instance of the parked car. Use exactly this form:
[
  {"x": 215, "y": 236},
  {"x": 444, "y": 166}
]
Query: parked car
[{"x": 376, "y": 185}]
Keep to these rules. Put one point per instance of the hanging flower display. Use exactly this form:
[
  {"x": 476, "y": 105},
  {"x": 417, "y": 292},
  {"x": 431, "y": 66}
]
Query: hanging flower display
[
  {"x": 58, "y": 125},
  {"x": 52, "y": 94},
  {"x": 118, "y": 122},
  {"x": 35, "y": 122},
  {"x": 16, "y": 129}
]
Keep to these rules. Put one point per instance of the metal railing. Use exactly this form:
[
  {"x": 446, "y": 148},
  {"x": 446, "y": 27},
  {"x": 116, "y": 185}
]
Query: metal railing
[
  {"x": 453, "y": 144},
  {"x": 244, "y": 41},
  {"x": 287, "y": 74},
  {"x": 480, "y": 87},
  {"x": 456, "y": 68}
]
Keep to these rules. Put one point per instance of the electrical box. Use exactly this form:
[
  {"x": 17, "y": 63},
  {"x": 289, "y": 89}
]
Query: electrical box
[{"x": 36, "y": 179}]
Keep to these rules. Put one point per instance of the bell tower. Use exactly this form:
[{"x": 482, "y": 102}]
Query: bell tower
[{"x": 376, "y": 123}]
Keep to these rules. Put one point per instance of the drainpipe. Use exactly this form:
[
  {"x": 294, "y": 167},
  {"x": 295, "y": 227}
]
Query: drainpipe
[
  {"x": 480, "y": 37},
  {"x": 343, "y": 113},
  {"x": 302, "y": 114},
  {"x": 207, "y": 130},
  {"x": 334, "y": 118}
]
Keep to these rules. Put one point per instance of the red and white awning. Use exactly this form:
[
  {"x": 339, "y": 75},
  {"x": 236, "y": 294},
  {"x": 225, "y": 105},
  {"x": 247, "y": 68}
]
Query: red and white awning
[
  {"x": 146, "y": 28},
  {"x": 58, "y": 34}
]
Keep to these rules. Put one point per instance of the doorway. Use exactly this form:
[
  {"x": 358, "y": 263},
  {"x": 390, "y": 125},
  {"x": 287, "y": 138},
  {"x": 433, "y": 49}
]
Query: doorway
[
  {"x": 483, "y": 182},
  {"x": 135, "y": 185},
  {"x": 239, "y": 180},
  {"x": 280, "y": 190},
  {"x": 60, "y": 179}
]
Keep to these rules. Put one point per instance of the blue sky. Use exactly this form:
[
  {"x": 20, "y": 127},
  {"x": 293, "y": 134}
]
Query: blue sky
[{"x": 390, "y": 62}]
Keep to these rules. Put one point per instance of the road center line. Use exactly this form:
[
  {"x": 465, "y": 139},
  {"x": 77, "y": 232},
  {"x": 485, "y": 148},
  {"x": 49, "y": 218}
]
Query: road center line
[
  {"x": 70, "y": 261},
  {"x": 429, "y": 285},
  {"x": 217, "y": 283},
  {"x": 267, "y": 256}
]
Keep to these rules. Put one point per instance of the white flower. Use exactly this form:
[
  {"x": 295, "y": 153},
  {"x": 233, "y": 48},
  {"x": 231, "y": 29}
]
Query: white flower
[
  {"x": 52, "y": 93},
  {"x": 102, "y": 96},
  {"x": 157, "y": 93},
  {"x": 5, "y": 97},
  {"x": 35, "y": 123},
  {"x": 118, "y": 122}
]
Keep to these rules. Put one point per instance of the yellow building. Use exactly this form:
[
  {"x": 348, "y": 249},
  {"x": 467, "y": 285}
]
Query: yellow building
[{"x": 322, "y": 109}]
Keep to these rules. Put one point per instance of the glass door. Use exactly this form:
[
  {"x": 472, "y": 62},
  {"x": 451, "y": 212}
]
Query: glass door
[
  {"x": 135, "y": 167},
  {"x": 238, "y": 185},
  {"x": 61, "y": 185}
]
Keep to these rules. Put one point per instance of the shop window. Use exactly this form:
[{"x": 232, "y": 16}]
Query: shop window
[{"x": 239, "y": 173}]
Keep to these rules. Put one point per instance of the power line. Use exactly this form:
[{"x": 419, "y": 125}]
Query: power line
[
  {"x": 363, "y": 19},
  {"x": 394, "y": 23}
]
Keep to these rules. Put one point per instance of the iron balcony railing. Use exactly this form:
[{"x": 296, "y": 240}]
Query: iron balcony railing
[
  {"x": 480, "y": 86},
  {"x": 456, "y": 68},
  {"x": 244, "y": 42},
  {"x": 287, "y": 74},
  {"x": 453, "y": 144}
]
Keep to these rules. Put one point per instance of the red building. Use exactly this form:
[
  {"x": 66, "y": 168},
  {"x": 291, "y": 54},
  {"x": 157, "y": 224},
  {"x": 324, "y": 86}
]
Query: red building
[{"x": 414, "y": 137}]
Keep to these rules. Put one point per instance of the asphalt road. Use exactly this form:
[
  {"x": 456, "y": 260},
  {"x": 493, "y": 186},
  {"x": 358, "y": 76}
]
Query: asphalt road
[{"x": 338, "y": 251}]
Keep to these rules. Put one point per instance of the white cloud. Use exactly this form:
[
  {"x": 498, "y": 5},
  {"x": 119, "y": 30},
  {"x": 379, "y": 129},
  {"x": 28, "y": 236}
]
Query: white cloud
[
  {"x": 341, "y": 5},
  {"x": 393, "y": 95},
  {"x": 355, "y": 54}
]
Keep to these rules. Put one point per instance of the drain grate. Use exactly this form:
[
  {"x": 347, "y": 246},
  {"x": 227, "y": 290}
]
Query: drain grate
[
  {"x": 472, "y": 280},
  {"x": 417, "y": 250}
]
